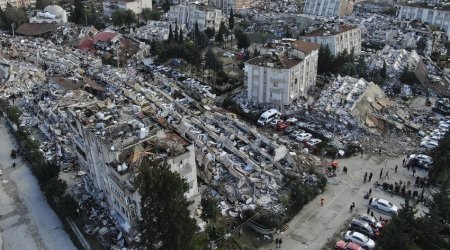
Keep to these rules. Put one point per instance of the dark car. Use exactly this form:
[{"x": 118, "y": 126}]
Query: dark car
[{"x": 363, "y": 227}]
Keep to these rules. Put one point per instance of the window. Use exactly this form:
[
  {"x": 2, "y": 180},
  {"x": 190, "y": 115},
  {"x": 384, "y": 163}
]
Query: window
[{"x": 275, "y": 85}]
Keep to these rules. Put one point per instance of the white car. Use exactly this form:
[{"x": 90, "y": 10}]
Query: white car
[
  {"x": 384, "y": 205},
  {"x": 360, "y": 239},
  {"x": 292, "y": 120},
  {"x": 444, "y": 125},
  {"x": 429, "y": 144},
  {"x": 294, "y": 134},
  {"x": 274, "y": 122},
  {"x": 303, "y": 137},
  {"x": 421, "y": 157},
  {"x": 313, "y": 142}
]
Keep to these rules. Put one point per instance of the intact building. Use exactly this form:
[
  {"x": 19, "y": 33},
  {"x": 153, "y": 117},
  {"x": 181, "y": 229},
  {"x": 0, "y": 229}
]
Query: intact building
[
  {"x": 190, "y": 13},
  {"x": 111, "y": 142},
  {"x": 227, "y": 5},
  {"x": 432, "y": 15},
  {"x": 328, "y": 7},
  {"x": 338, "y": 39},
  {"x": 109, "y": 6},
  {"x": 283, "y": 75}
]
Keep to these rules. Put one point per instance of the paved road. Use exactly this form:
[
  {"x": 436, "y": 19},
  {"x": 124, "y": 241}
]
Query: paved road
[
  {"x": 315, "y": 225},
  {"x": 26, "y": 220}
]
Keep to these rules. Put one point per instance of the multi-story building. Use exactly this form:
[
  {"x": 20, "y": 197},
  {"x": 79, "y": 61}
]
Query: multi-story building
[
  {"x": 191, "y": 13},
  {"x": 111, "y": 142},
  {"x": 338, "y": 38},
  {"x": 439, "y": 16},
  {"x": 227, "y": 5},
  {"x": 136, "y": 6},
  {"x": 283, "y": 74},
  {"x": 17, "y": 3},
  {"x": 328, "y": 7}
]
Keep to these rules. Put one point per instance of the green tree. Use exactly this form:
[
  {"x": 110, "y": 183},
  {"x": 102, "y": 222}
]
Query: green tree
[
  {"x": 209, "y": 32},
  {"x": 231, "y": 20},
  {"x": 175, "y": 33},
  {"x": 212, "y": 62},
  {"x": 221, "y": 32},
  {"x": 130, "y": 17},
  {"x": 243, "y": 42},
  {"x": 118, "y": 17},
  {"x": 399, "y": 232},
  {"x": 422, "y": 43},
  {"x": 166, "y": 6},
  {"x": 325, "y": 61},
  {"x": 55, "y": 188},
  {"x": 77, "y": 15},
  {"x": 441, "y": 157},
  {"x": 361, "y": 67},
  {"x": 166, "y": 222},
  {"x": 170, "y": 33},
  {"x": 149, "y": 14},
  {"x": 180, "y": 36},
  {"x": 12, "y": 16},
  {"x": 41, "y": 4},
  {"x": 68, "y": 206},
  {"x": 210, "y": 208}
]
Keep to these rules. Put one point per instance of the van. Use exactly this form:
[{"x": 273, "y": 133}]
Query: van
[
  {"x": 268, "y": 116},
  {"x": 362, "y": 227}
]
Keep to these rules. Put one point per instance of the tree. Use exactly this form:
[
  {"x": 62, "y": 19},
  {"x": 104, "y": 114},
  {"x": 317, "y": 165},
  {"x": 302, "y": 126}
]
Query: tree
[
  {"x": 209, "y": 32},
  {"x": 166, "y": 222},
  {"x": 41, "y": 4},
  {"x": 243, "y": 42},
  {"x": 166, "y": 6},
  {"x": 221, "y": 32},
  {"x": 175, "y": 33},
  {"x": 170, "y": 33},
  {"x": 383, "y": 70},
  {"x": 361, "y": 67},
  {"x": 441, "y": 157},
  {"x": 12, "y": 16},
  {"x": 398, "y": 233},
  {"x": 288, "y": 32},
  {"x": 130, "y": 17},
  {"x": 422, "y": 43},
  {"x": 180, "y": 36},
  {"x": 231, "y": 20},
  {"x": 325, "y": 61},
  {"x": 118, "y": 17},
  {"x": 77, "y": 15},
  {"x": 149, "y": 14},
  {"x": 55, "y": 188},
  {"x": 210, "y": 208},
  {"x": 212, "y": 62}
]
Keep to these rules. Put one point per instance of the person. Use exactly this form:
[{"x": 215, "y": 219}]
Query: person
[
  {"x": 379, "y": 151},
  {"x": 407, "y": 167},
  {"x": 370, "y": 176},
  {"x": 404, "y": 161},
  {"x": 352, "y": 206},
  {"x": 414, "y": 171},
  {"x": 396, "y": 167},
  {"x": 381, "y": 173},
  {"x": 387, "y": 174},
  {"x": 277, "y": 240},
  {"x": 345, "y": 169},
  {"x": 362, "y": 152},
  {"x": 370, "y": 191},
  {"x": 371, "y": 213},
  {"x": 14, "y": 164},
  {"x": 368, "y": 211},
  {"x": 321, "y": 201},
  {"x": 370, "y": 201}
]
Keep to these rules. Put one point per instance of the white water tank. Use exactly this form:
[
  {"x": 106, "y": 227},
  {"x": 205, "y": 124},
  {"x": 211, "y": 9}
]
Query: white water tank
[
  {"x": 142, "y": 133},
  {"x": 100, "y": 115}
]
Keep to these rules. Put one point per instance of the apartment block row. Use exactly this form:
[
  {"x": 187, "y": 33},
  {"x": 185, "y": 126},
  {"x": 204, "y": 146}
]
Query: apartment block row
[{"x": 328, "y": 7}]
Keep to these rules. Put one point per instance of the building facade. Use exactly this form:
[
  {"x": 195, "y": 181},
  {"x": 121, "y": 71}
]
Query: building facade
[
  {"x": 328, "y": 7},
  {"x": 227, "y": 5},
  {"x": 110, "y": 154},
  {"x": 109, "y": 6},
  {"x": 17, "y": 3},
  {"x": 283, "y": 76},
  {"x": 436, "y": 16},
  {"x": 338, "y": 39},
  {"x": 190, "y": 13}
]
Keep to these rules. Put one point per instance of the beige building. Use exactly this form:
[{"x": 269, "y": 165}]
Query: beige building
[
  {"x": 136, "y": 6},
  {"x": 17, "y": 3},
  {"x": 190, "y": 13},
  {"x": 227, "y": 5},
  {"x": 338, "y": 39},
  {"x": 283, "y": 74},
  {"x": 112, "y": 141},
  {"x": 328, "y": 7}
]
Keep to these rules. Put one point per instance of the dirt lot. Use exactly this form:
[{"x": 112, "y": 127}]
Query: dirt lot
[{"x": 314, "y": 226}]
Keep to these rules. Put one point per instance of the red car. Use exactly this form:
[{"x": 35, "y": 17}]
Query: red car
[
  {"x": 281, "y": 125},
  {"x": 347, "y": 245}
]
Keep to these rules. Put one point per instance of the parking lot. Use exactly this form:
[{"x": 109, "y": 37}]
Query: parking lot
[{"x": 316, "y": 227}]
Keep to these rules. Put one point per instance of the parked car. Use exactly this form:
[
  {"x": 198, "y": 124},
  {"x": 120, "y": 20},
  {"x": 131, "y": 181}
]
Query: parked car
[
  {"x": 360, "y": 239},
  {"x": 363, "y": 227},
  {"x": 303, "y": 137},
  {"x": 371, "y": 220},
  {"x": 429, "y": 144},
  {"x": 282, "y": 125},
  {"x": 342, "y": 245},
  {"x": 384, "y": 205},
  {"x": 294, "y": 134},
  {"x": 313, "y": 142},
  {"x": 421, "y": 157},
  {"x": 289, "y": 130},
  {"x": 292, "y": 120},
  {"x": 274, "y": 122}
]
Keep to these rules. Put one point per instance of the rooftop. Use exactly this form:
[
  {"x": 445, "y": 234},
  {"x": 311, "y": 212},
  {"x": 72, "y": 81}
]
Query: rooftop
[
  {"x": 305, "y": 47},
  {"x": 281, "y": 61},
  {"x": 426, "y": 6},
  {"x": 331, "y": 31}
]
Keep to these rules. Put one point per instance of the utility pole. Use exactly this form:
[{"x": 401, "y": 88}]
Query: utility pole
[{"x": 13, "y": 26}]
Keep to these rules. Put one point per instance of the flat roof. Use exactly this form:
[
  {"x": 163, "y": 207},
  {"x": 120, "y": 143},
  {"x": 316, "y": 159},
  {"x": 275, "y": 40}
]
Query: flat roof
[
  {"x": 281, "y": 61},
  {"x": 35, "y": 29},
  {"x": 331, "y": 31},
  {"x": 305, "y": 47}
]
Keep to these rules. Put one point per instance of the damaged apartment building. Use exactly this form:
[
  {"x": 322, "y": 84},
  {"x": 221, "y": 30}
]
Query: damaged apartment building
[
  {"x": 283, "y": 73},
  {"x": 113, "y": 139},
  {"x": 329, "y": 7}
]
